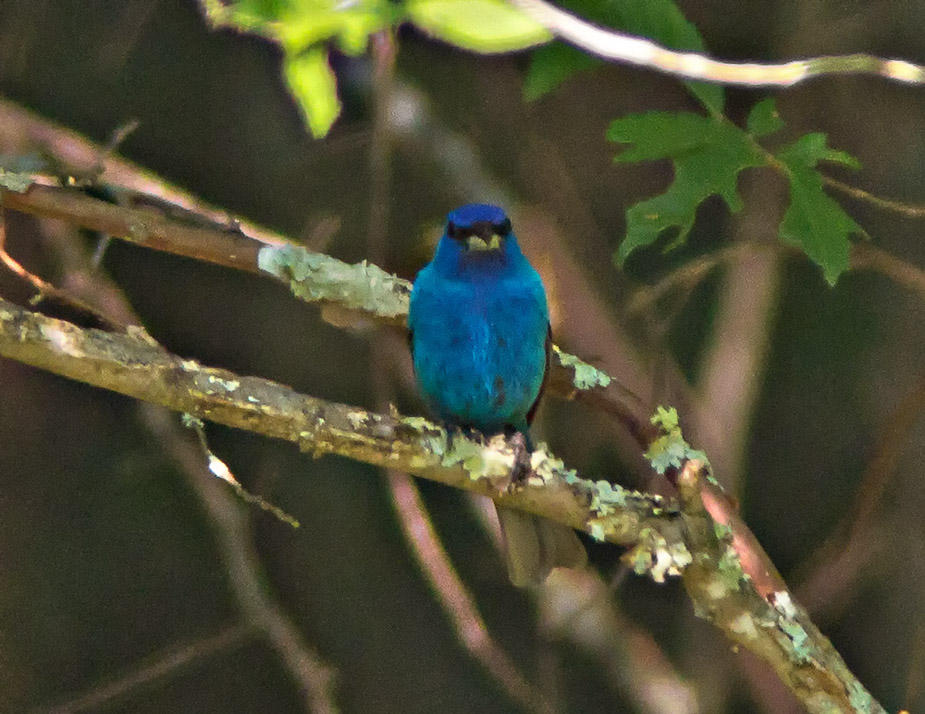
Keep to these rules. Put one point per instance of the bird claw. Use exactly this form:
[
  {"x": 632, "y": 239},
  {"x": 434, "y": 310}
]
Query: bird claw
[
  {"x": 522, "y": 466},
  {"x": 467, "y": 432}
]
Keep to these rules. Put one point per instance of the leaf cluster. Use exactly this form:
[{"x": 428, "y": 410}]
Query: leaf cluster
[
  {"x": 307, "y": 30},
  {"x": 707, "y": 151}
]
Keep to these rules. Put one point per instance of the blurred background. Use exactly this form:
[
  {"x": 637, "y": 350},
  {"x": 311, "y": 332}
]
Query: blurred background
[{"x": 120, "y": 585}]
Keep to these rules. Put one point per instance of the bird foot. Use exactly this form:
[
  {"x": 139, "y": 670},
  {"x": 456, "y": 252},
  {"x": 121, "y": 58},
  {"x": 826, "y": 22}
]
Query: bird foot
[
  {"x": 454, "y": 430},
  {"x": 522, "y": 465}
]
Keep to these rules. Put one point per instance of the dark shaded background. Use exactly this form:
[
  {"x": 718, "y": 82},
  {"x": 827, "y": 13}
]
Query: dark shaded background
[{"x": 106, "y": 555}]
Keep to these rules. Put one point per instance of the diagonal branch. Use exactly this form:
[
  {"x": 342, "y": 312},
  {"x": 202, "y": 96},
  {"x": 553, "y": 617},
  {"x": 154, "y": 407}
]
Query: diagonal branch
[
  {"x": 621, "y": 47},
  {"x": 350, "y": 294},
  {"x": 665, "y": 539},
  {"x": 133, "y": 366}
]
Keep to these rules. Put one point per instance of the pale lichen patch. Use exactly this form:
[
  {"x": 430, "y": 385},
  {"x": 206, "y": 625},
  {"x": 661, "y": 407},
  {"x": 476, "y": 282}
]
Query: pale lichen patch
[
  {"x": 432, "y": 437},
  {"x": 799, "y": 639},
  {"x": 657, "y": 557},
  {"x": 585, "y": 376},
  {"x": 14, "y": 181},
  {"x": 138, "y": 231},
  {"x": 356, "y": 419},
  {"x": 547, "y": 467},
  {"x": 314, "y": 277},
  {"x": 743, "y": 626},
  {"x": 62, "y": 340},
  {"x": 783, "y": 603},
  {"x": 607, "y": 497},
  {"x": 494, "y": 461},
  {"x": 229, "y": 385}
]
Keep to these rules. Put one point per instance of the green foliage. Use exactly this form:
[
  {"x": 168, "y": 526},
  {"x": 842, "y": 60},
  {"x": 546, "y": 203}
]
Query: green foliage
[
  {"x": 312, "y": 82},
  {"x": 815, "y": 222},
  {"x": 659, "y": 20},
  {"x": 306, "y": 29},
  {"x": 763, "y": 119},
  {"x": 708, "y": 153},
  {"x": 486, "y": 26},
  {"x": 670, "y": 450}
]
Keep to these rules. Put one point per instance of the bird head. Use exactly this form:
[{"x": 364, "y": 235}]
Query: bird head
[
  {"x": 478, "y": 227},
  {"x": 478, "y": 235}
]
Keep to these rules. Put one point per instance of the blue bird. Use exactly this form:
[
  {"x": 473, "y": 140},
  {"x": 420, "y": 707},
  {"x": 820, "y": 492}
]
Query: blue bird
[{"x": 480, "y": 342}]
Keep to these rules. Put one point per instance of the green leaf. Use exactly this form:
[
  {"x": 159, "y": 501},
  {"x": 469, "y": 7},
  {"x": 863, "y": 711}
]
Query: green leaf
[
  {"x": 658, "y": 20},
  {"x": 763, "y": 119},
  {"x": 810, "y": 149},
  {"x": 817, "y": 224},
  {"x": 814, "y": 221},
  {"x": 313, "y": 84},
  {"x": 661, "y": 135},
  {"x": 298, "y": 24},
  {"x": 482, "y": 25},
  {"x": 306, "y": 22},
  {"x": 551, "y": 65},
  {"x": 300, "y": 27},
  {"x": 708, "y": 156}
]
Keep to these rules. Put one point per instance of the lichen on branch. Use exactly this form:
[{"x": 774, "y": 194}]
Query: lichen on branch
[{"x": 665, "y": 539}]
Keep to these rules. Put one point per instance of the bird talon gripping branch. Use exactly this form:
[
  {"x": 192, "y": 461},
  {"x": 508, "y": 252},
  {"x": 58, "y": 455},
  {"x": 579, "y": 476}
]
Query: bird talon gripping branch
[{"x": 522, "y": 466}]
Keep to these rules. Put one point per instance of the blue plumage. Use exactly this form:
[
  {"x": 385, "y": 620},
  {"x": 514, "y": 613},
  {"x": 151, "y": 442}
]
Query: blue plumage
[
  {"x": 480, "y": 344},
  {"x": 479, "y": 323}
]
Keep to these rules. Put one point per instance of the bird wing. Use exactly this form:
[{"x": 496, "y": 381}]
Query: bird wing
[{"x": 536, "y": 403}]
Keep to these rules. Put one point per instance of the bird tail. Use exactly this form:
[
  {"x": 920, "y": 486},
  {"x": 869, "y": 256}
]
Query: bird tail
[{"x": 534, "y": 546}]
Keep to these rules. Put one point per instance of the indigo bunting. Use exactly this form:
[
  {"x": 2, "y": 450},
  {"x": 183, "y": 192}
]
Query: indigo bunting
[{"x": 480, "y": 342}]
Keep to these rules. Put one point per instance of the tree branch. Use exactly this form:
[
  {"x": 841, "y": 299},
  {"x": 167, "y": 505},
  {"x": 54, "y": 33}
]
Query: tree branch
[
  {"x": 620, "y": 47},
  {"x": 349, "y": 294},
  {"x": 665, "y": 539}
]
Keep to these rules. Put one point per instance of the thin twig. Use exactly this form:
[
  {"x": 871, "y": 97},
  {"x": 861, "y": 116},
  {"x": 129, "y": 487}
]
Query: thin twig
[
  {"x": 578, "y": 606},
  {"x": 48, "y": 293},
  {"x": 870, "y": 257},
  {"x": 314, "y": 677},
  {"x": 906, "y": 209},
  {"x": 732, "y": 366},
  {"x": 88, "y": 162},
  {"x": 456, "y": 600},
  {"x": 864, "y": 256},
  {"x": 620, "y": 47},
  {"x": 157, "y": 668}
]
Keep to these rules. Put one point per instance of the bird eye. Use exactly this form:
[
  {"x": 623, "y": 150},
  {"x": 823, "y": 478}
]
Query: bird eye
[
  {"x": 451, "y": 229},
  {"x": 503, "y": 228}
]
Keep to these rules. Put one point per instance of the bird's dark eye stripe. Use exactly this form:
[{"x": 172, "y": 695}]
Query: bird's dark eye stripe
[{"x": 483, "y": 229}]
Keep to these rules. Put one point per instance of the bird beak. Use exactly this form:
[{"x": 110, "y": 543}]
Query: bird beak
[{"x": 476, "y": 243}]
